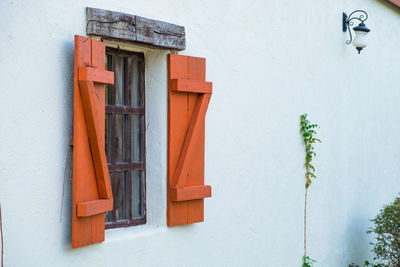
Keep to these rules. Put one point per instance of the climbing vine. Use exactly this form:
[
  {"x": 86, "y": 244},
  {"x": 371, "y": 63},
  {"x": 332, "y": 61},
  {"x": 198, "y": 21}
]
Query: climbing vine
[{"x": 308, "y": 132}]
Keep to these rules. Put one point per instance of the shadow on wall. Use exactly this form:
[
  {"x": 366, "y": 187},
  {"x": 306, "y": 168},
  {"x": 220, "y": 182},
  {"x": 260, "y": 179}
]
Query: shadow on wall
[
  {"x": 356, "y": 246},
  {"x": 67, "y": 118}
]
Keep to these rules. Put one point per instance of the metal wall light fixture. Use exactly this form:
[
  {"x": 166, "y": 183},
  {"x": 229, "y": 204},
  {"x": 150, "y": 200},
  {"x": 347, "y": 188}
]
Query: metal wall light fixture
[{"x": 361, "y": 30}]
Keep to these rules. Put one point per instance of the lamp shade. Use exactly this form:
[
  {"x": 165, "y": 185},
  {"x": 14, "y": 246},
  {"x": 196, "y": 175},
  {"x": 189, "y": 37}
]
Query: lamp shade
[{"x": 361, "y": 32}]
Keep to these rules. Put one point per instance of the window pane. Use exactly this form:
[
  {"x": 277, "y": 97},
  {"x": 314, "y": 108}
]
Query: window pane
[
  {"x": 135, "y": 88},
  {"x": 118, "y": 183},
  {"x": 124, "y": 138},
  {"x": 119, "y": 140},
  {"x": 106, "y": 86},
  {"x": 107, "y": 137},
  {"x": 106, "y": 94},
  {"x": 119, "y": 80},
  {"x": 119, "y": 194},
  {"x": 136, "y": 137},
  {"x": 136, "y": 194},
  {"x": 108, "y": 216}
]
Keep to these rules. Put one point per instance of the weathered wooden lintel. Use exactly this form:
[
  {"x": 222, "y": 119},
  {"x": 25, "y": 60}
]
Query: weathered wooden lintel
[{"x": 132, "y": 28}]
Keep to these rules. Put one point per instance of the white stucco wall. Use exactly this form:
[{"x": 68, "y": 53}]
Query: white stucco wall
[{"x": 269, "y": 61}]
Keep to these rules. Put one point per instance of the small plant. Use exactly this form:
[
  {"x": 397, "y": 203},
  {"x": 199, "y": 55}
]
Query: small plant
[
  {"x": 308, "y": 262},
  {"x": 308, "y": 132},
  {"x": 387, "y": 235},
  {"x": 366, "y": 263}
]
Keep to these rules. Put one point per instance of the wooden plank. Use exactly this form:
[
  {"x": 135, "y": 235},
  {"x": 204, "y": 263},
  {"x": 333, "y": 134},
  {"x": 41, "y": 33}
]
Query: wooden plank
[
  {"x": 136, "y": 29},
  {"x": 190, "y": 86},
  {"x": 117, "y": 167},
  {"x": 98, "y": 58},
  {"x": 190, "y": 193},
  {"x": 93, "y": 207},
  {"x": 197, "y": 71},
  {"x": 96, "y": 75},
  {"x": 177, "y": 127},
  {"x": 110, "y": 24},
  {"x": 84, "y": 185},
  {"x": 124, "y": 109},
  {"x": 96, "y": 145},
  {"x": 193, "y": 135}
]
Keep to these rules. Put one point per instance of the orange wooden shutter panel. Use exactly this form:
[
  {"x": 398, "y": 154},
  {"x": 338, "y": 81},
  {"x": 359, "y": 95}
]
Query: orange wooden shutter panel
[
  {"x": 91, "y": 188},
  {"x": 188, "y": 98}
]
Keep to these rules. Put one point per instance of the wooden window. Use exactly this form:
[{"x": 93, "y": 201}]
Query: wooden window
[{"x": 125, "y": 138}]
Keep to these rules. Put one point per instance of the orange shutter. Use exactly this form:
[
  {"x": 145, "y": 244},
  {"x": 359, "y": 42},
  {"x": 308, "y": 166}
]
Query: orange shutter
[
  {"x": 188, "y": 98},
  {"x": 91, "y": 189}
]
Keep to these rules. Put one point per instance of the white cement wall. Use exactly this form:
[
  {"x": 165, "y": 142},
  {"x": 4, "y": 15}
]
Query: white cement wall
[{"x": 269, "y": 62}]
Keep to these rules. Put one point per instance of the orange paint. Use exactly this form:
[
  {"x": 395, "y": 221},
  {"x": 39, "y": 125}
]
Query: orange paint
[
  {"x": 95, "y": 75},
  {"x": 88, "y": 95},
  {"x": 190, "y": 193},
  {"x": 91, "y": 188},
  {"x": 93, "y": 207},
  {"x": 183, "y": 85},
  {"x": 188, "y": 98}
]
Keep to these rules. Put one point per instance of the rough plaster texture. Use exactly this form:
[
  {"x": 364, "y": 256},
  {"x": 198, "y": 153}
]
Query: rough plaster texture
[{"x": 269, "y": 62}]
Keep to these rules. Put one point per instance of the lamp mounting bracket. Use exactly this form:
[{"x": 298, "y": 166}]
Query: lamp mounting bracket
[{"x": 359, "y": 15}]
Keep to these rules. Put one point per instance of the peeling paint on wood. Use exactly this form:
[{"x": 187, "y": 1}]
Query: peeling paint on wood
[{"x": 132, "y": 28}]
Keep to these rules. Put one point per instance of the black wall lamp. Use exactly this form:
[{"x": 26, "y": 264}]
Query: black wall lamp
[{"x": 361, "y": 30}]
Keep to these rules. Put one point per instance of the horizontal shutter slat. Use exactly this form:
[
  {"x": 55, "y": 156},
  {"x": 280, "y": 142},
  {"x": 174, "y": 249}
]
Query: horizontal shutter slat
[
  {"x": 93, "y": 207},
  {"x": 190, "y": 193},
  {"x": 193, "y": 86}
]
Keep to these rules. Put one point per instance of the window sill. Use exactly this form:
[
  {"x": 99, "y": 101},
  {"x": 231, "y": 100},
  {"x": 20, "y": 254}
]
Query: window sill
[{"x": 130, "y": 233}]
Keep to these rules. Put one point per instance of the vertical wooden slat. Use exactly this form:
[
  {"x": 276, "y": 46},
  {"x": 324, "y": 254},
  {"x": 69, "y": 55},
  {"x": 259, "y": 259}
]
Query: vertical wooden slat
[
  {"x": 82, "y": 160},
  {"x": 98, "y": 60},
  {"x": 128, "y": 141},
  {"x": 113, "y": 134},
  {"x": 197, "y": 71},
  {"x": 142, "y": 97},
  {"x": 178, "y": 110}
]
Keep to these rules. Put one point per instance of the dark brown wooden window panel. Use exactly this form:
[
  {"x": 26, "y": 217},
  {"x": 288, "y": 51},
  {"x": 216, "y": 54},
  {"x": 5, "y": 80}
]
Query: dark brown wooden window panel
[{"x": 125, "y": 138}]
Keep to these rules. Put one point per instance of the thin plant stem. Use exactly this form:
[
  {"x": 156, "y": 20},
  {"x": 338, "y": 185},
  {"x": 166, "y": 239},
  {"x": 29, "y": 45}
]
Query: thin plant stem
[
  {"x": 305, "y": 223},
  {"x": 1, "y": 231},
  {"x": 307, "y": 130}
]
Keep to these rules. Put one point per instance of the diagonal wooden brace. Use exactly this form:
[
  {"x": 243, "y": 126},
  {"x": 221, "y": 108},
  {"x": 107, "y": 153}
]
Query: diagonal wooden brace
[
  {"x": 87, "y": 90},
  {"x": 192, "y": 135}
]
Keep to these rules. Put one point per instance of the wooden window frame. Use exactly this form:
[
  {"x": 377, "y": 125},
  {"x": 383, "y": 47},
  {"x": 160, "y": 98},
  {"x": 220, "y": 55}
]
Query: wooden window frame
[{"x": 129, "y": 166}]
